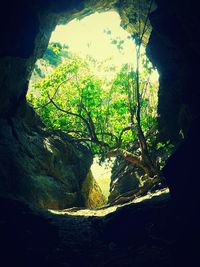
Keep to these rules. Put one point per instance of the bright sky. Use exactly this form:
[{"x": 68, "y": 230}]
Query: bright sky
[
  {"x": 87, "y": 36},
  {"x": 102, "y": 174}
]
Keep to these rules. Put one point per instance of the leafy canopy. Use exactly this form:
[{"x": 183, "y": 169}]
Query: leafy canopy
[{"x": 74, "y": 94}]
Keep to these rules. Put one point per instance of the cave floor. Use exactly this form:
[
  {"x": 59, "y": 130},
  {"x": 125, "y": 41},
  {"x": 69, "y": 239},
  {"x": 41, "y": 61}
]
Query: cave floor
[
  {"x": 105, "y": 237},
  {"x": 107, "y": 209},
  {"x": 127, "y": 235}
]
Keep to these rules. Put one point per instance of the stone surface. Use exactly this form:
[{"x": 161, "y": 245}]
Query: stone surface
[
  {"x": 45, "y": 168},
  {"x": 124, "y": 179},
  {"x": 143, "y": 234},
  {"x": 133, "y": 234},
  {"x": 182, "y": 174},
  {"x": 173, "y": 48},
  {"x": 92, "y": 194}
]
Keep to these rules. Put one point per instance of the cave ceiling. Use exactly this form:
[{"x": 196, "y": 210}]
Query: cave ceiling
[{"x": 133, "y": 13}]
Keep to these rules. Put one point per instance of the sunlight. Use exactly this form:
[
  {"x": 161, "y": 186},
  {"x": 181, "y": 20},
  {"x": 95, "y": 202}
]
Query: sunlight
[
  {"x": 162, "y": 194},
  {"x": 102, "y": 174},
  {"x": 88, "y": 37}
]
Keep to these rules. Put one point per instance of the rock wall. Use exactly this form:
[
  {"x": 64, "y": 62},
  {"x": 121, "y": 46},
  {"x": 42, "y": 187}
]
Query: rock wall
[
  {"x": 174, "y": 49},
  {"x": 92, "y": 194},
  {"x": 46, "y": 168},
  {"x": 124, "y": 179}
]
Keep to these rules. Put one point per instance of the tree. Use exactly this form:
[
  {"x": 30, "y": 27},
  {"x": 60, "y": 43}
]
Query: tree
[
  {"x": 144, "y": 160},
  {"x": 98, "y": 110}
]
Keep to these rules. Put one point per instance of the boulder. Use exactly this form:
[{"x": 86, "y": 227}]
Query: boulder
[
  {"x": 46, "y": 168},
  {"x": 124, "y": 179},
  {"x": 92, "y": 193}
]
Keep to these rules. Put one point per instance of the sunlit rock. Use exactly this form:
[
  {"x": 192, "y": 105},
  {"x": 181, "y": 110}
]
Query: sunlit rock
[
  {"x": 92, "y": 193},
  {"x": 43, "y": 167}
]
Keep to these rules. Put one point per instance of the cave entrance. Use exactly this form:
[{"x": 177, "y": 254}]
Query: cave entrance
[{"x": 85, "y": 86}]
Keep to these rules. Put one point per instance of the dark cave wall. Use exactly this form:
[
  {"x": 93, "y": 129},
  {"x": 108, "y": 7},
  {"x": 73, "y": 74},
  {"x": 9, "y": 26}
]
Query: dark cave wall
[
  {"x": 26, "y": 28},
  {"x": 174, "y": 49},
  {"x": 19, "y": 50}
]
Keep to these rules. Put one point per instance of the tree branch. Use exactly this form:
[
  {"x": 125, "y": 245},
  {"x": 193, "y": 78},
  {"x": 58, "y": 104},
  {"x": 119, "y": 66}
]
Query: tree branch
[
  {"x": 69, "y": 112},
  {"x": 58, "y": 87},
  {"x": 110, "y": 134},
  {"x": 92, "y": 133},
  {"x": 129, "y": 157},
  {"x": 128, "y": 128}
]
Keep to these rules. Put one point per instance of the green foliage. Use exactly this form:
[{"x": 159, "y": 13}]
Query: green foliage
[
  {"x": 116, "y": 41},
  {"x": 167, "y": 146},
  {"x": 76, "y": 88},
  {"x": 39, "y": 71},
  {"x": 164, "y": 150},
  {"x": 54, "y": 53}
]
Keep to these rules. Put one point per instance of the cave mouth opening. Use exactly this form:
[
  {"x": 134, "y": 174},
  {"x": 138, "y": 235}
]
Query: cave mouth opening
[{"x": 85, "y": 86}]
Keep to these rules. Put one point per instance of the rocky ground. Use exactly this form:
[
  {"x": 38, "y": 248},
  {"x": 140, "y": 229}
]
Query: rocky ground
[{"x": 134, "y": 234}]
